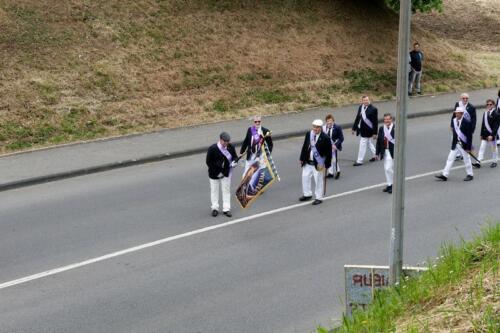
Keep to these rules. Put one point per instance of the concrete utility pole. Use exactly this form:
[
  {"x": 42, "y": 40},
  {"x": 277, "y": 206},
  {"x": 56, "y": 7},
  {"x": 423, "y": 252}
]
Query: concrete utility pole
[{"x": 398, "y": 199}]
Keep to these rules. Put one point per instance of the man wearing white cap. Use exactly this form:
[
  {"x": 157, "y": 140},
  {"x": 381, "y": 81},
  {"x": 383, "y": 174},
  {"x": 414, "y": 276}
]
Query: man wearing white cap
[
  {"x": 315, "y": 158},
  {"x": 462, "y": 142},
  {"x": 469, "y": 114},
  {"x": 365, "y": 125}
]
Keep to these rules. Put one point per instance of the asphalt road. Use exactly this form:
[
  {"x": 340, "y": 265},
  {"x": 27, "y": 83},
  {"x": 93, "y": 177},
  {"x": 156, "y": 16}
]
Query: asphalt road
[{"x": 282, "y": 272}]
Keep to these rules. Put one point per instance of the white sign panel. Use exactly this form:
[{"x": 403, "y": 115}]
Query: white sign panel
[{"x": 361, "y": 283}]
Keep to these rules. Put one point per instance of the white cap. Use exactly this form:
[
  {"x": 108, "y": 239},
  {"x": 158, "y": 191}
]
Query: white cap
[
  {"x": 460, "y": 110},
  {"x": 318, "y": 122}
]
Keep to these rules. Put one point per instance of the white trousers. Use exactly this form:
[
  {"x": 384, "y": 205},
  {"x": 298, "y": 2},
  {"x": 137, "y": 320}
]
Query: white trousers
[
  {"x": 451, "y": 158},
  {"x": 482, "y": 149},
  {"x": 335, "y": 167},
  {"x": 309, "y": 172},
  {"x": 388, "y": 167},
  {"x": 215, "y": 185},
  {"x": 363, "y": 143}
]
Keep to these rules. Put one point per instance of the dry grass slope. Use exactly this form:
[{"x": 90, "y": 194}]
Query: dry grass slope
[{"x": 74, "y": 70}]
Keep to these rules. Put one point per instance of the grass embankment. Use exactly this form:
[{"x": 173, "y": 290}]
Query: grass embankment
[
  {"x": 75, "y": 70},
  {"x": 459, "y": 293}
]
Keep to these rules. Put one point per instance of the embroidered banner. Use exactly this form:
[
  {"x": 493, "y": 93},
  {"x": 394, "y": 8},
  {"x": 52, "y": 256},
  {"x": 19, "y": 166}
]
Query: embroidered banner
[{"x": 258, "y": 178}]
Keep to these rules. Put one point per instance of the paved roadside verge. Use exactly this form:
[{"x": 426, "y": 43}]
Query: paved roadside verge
[{"x": 44, "y": 165}]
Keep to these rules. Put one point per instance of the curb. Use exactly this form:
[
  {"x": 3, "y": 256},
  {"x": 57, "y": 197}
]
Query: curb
[{"x": 161, "y": 157}]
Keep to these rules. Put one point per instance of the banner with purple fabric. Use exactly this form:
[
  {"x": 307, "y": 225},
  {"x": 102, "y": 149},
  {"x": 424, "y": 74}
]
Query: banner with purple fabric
[{"x": 258, "y": 178}]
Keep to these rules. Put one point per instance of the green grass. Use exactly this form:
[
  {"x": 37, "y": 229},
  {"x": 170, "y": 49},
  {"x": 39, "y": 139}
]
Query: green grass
[
  {"x": 443, "y": 75},
  {"x": 467, "y": 262},
  {"x": 368, "y": 79},
  {"x": 77, "y": 124},
  {"x": 270, "y": 96}
]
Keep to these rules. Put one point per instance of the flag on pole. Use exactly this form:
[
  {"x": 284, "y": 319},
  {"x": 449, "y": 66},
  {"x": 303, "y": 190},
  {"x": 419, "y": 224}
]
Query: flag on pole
[{"x": 259, "y": 177}]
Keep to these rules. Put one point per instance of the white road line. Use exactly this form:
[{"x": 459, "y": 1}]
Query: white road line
[{"x": 194, "y": 232}]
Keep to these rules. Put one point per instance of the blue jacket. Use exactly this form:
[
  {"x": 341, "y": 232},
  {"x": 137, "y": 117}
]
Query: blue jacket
[
  {"x": 466, "y": 129},
  {"x": 337, "y": 136},
  {"x": 364, "y": 130}
]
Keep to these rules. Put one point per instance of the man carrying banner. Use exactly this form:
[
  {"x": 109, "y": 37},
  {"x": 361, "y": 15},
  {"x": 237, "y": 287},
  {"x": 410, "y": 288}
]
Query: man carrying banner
[
  {"x": 489, "y": 127},
  {"x": 365, "y": 124},
  {"x": 385, "y": 149},
  {"x": 315, "y": 156},
  {"x": 462, "y": 139},
  {"x": 254, "y": 139},
  {"x": 334, "y": 132},
  {"x": 221, "y": 158}
]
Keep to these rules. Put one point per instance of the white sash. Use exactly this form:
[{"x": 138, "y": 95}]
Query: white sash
[
  {"x": 316, "y": 155},
  {"x": 487, "y": 123},
  {"x": 387, "y": 134},
  {"x": 466, "y": 113},
  {"x": 365, "y": 119},
  {"x": 458, "y": 131}
]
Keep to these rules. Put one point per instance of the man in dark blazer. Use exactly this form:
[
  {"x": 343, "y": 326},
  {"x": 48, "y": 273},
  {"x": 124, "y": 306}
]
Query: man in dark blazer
[
  {"x": 221, "y": 158},
  {"x": 336, "y": 136},
  {"x": 462, "y": 142},
  {"x": 315, "y": 158},
  {"x": 385, "y": 149},
  {"x": 498, "y": 111},
  {"x": 489, "y": 128},
  {"x": 469, "y": 114},
  {"x": 254, "y": 139},
  {"x": 365, "y": 125}
]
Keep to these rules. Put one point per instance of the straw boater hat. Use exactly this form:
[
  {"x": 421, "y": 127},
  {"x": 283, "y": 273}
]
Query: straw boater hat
[{"x": 317, "y": 122}]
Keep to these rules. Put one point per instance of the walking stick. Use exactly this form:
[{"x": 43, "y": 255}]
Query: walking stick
[{"x": 478, "y": 162}]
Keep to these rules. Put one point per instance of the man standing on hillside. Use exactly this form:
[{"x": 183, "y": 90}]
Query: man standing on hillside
[
  {"x": 221, "y": 159},
  {"x": 462, "y": 139},
  {"x": 489, "y": 127},
  {"x": 315, "y": 156},
  {"x": 416, "y": 59},
  {"x": 469, "y": 115},
  {"x": 254, "y": 139},
  {"x": 365, "y": 124},
  {"x": 334, "y": 132},
  {"x": 385, "y": 149}
]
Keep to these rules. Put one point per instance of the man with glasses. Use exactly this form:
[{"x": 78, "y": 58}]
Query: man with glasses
[
  {"x": 254, "y": 139},
  {"x": 221, "y": 159},
  {"x": 489, "y": 127},
  {"x": 469, "y": 115}
]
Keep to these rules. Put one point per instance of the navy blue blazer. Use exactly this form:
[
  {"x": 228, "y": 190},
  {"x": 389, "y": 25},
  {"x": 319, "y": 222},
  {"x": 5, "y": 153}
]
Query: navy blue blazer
[
  {"x": 466, "y": 129},
  {"x": 494, "y": 121},
  {"x": 380, "y": 143},
  {"x": 337, "y": 136},
  {"x": 472, "y": 112},
  {"x": 217, "y": 163},
  {"x": 323, "y": 145},
  {"x": 245, "y": 146},
  {"x": 365, "y": 131}
]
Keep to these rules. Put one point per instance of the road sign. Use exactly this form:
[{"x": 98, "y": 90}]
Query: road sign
[{"x": 362, "y": 281}]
